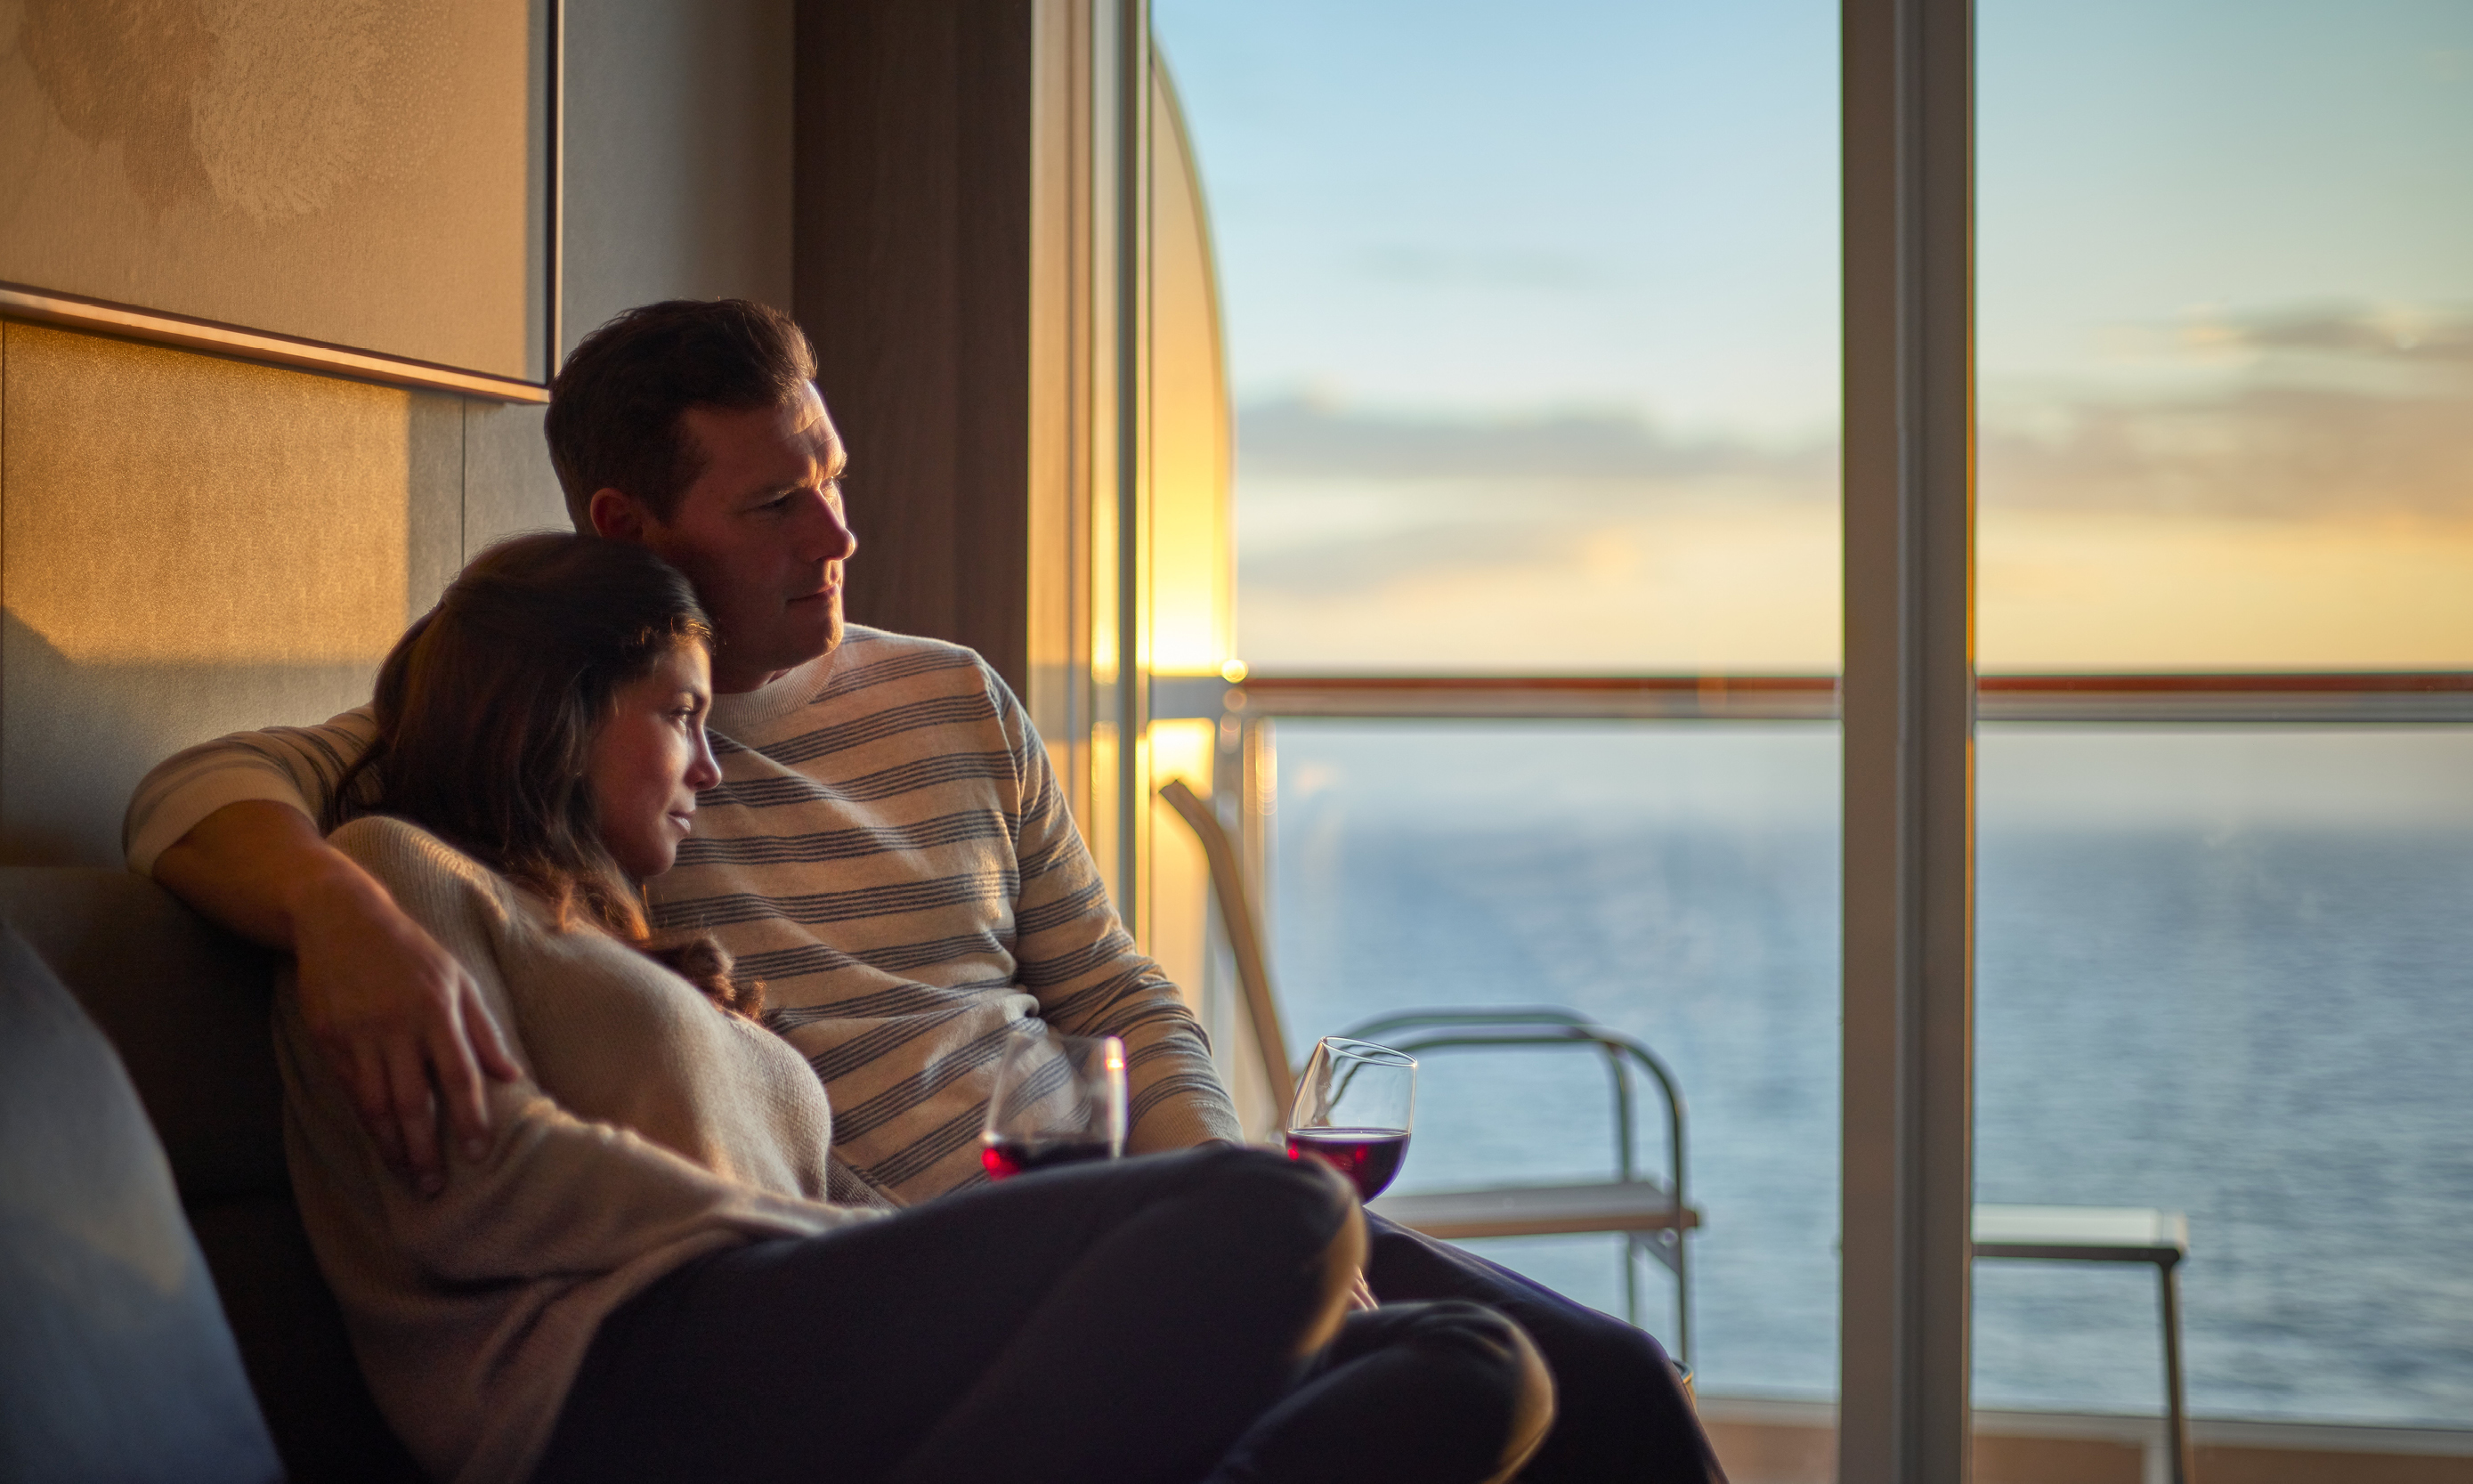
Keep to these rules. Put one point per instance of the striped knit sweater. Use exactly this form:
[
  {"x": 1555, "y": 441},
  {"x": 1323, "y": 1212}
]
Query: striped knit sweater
[{"x": 888, "y": 849}]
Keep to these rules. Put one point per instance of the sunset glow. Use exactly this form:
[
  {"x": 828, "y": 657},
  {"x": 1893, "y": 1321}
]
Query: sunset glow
[{"x": 1550, "y": 384}]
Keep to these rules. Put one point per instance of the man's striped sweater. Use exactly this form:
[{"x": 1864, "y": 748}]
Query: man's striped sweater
[{"x": 888, "y": 851}]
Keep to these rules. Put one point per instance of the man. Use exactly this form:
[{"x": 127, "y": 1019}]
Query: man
[{"x": 887, "y": 850}]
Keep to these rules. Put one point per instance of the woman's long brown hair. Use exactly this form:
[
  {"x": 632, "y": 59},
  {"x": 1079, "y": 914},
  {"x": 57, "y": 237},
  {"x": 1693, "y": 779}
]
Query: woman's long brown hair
[{"x": 487, "y": 709}]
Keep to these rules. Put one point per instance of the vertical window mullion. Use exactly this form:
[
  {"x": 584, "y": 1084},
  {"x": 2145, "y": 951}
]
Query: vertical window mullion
[{"x": 1909, "y": 740}]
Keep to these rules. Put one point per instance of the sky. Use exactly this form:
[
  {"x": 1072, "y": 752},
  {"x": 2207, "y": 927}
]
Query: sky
[
  {"x": 1588, "y": 203},
  {"x": 2145, "y": 166},
  {"x": 2224, "y": 290},
  {"x": 1480, "y": 208}
]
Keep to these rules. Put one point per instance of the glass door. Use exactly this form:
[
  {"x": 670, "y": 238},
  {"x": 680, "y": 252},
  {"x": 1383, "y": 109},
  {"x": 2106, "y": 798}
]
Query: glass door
[
  {"x": 1531, "y": 316},
  {"x": 2226, "y": 481}
]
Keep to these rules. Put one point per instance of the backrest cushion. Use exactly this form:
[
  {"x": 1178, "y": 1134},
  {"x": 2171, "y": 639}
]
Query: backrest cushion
[
  {"x": 114, "y": 1357},
  {"x": 185, "y": 1004}
]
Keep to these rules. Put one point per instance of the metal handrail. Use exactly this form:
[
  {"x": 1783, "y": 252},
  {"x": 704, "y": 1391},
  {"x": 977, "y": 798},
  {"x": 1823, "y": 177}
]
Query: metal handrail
[
  {"x": 2364, "y": 696},
  {"x": 1536, "y": 1025},
  {"x": 1568, "y": 1028}
]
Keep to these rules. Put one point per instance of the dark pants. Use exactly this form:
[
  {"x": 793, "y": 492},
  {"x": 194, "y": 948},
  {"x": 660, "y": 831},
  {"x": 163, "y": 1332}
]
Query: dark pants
[
  {"x": 1619, "y": 1411},
  {"x": 1136, "y": 1321}
]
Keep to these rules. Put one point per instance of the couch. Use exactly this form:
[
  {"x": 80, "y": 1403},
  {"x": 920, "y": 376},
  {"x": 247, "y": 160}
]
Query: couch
[{"x": 118, "y": 1359}]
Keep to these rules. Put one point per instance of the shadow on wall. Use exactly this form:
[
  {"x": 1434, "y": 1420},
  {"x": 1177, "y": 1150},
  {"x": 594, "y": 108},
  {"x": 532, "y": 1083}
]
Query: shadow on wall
[
  {"x": 75, "y": 738},
  {"x": 195, "y": 545}
]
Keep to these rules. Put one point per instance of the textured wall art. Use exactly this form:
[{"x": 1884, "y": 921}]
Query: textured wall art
[{"x": 374, "y": 174}]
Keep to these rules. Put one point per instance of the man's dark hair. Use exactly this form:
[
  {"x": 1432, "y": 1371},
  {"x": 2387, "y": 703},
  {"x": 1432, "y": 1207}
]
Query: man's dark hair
[{"x": 616, "y": 411}]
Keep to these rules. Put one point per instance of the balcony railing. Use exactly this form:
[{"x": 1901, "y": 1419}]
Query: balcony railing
[{"x": 2288, "y": 698}]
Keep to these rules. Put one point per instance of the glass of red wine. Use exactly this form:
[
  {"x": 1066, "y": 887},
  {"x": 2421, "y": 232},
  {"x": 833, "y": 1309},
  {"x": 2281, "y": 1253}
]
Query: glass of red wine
[
  {"x": 1058, "y": 1100},
  {"x": 1353, "y": 1111}
]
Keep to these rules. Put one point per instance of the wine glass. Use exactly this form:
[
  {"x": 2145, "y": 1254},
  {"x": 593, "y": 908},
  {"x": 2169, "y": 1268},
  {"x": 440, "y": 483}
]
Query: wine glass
[
  {"x": 1353, "y": 1111},
  {"x": 1058, "y": 1100}
]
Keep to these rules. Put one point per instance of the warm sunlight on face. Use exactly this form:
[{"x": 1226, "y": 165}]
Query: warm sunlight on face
[
  {"x": 649, "y": 761},
  {"x": 762, "y": 535}
]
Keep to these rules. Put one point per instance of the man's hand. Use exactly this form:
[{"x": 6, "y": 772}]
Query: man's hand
[
  {"x": 398, "y": 1015},
  {"x": 400, "y": 1020}
]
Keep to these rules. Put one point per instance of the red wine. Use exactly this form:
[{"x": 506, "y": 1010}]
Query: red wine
[
  {"x": 1005, "y": 1156},
  {"x": 1368, "y": 1157}
]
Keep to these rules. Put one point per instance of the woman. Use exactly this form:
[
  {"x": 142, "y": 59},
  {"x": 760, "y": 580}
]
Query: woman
[{"x": 640, "y": 1275}]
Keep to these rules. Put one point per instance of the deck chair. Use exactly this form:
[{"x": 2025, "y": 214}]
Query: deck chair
[{"x": 1652, "y": 1216}]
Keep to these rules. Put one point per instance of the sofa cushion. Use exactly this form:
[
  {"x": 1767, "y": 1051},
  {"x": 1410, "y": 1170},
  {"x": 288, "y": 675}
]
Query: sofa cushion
[
  {"x": 184, "y": 1002},
  {"x": 114, "y": 1355},
  {"x": 187, "y": 1006},
  {"x": 292, "y": 1338}
]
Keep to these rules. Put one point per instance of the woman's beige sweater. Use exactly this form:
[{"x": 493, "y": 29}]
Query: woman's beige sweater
[{"x": 650, "y": 1127}]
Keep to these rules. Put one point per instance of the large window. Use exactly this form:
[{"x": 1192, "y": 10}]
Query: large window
[
  {"x": 2225, "y": 331},
  {"x": 1532, "y": 326},
  {"x": 2228, "y": 971},
  {"x": 1674, "y": 882}
]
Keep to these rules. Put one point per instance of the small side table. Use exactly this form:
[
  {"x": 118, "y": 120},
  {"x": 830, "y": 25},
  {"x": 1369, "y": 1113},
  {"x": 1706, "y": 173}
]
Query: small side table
[{"x": 2106, "y": 1233}]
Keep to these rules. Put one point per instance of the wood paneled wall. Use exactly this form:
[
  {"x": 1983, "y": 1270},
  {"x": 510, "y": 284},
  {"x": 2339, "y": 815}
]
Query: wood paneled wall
[{"x": 911, "y": 272}]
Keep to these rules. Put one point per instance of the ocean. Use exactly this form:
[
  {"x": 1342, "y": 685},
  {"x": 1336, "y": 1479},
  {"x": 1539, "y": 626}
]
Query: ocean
[{"x": 2224, "y": 972}]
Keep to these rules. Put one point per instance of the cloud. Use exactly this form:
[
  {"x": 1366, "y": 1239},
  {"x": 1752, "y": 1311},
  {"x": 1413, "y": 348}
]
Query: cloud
[
  {"x": 1303, "y": 436},
  {"x": 2312, "y": 413},
  {"x": 2278, "y": 451},
  {"x": 2436, "y": 340},
  {"x": 1435, "y": 549},
  {"x": 2305, "y": 412},
  {"x": 1332, "y": 500},
  {"x": 2305, "y": 499}
]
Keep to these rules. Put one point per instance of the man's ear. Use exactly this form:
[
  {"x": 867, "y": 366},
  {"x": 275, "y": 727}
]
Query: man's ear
[{"x": 617, "y": 516}]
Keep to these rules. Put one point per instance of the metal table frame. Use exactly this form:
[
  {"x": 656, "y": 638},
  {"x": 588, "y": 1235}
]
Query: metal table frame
[{"x": 2099, "y": 1234}]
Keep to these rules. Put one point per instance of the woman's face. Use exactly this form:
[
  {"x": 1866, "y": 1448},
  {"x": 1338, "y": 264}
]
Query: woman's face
[{"x": 649, "y": 759}]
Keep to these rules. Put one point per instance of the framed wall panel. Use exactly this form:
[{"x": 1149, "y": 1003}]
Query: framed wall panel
[{"x": 369, "y": 189}]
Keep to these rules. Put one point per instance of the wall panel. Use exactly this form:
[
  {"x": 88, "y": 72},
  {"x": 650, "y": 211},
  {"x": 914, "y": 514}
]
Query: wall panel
[
  {"x": 193, "y": 545},
  {"x": 677, "y": 154},
  {"x": 913, "y": 278},
  {"x": 507, "y": 484}
]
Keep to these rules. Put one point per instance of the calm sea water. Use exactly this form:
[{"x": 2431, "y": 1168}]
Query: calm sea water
[{"x": 2228, "y": 974}]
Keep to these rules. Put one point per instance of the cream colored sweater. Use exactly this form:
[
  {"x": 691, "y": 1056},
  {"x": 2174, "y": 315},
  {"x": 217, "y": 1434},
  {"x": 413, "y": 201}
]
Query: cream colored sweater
[{"x": 650, "y": 1127}]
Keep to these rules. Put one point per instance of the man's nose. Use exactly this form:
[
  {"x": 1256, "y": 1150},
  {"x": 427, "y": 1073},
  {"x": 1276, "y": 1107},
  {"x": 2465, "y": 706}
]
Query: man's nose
[{"x": 830, "y": 537}]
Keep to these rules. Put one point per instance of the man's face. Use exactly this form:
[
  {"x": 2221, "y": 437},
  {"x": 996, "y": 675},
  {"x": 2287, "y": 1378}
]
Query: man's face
[{"x": 762, "y": 536}]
